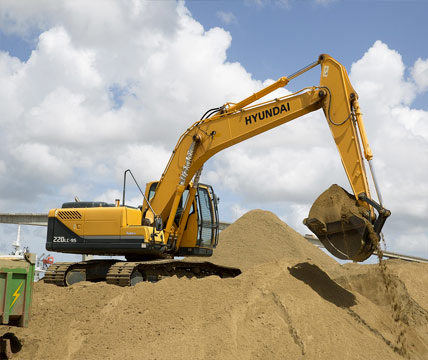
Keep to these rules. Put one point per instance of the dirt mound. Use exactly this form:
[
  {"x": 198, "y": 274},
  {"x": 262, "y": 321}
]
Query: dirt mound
[
  {"x": 283, "y": 305},
  {"x": 260, "y": 236},
  {"x": 368, "y": 282},
  {"x": 382, "y": 285}
]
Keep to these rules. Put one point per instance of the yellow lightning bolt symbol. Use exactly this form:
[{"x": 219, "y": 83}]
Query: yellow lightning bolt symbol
[{"x": 16, "y": 294}]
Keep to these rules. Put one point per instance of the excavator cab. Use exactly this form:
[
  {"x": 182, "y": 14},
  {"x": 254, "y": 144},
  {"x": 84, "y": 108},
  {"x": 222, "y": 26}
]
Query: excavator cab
[
  {"x": 200, "y": 222},
  {"x": 201, "y": 232}
]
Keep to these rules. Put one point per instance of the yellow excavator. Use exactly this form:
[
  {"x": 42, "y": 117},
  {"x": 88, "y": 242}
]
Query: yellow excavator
[{"x": 178, "y": 216}]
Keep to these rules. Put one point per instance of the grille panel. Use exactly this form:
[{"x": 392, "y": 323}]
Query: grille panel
[{"x": 69, "y": 215}]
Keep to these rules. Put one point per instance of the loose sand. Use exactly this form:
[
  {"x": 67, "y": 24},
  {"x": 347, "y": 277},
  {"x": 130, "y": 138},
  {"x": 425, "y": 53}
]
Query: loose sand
[
  {"x": 335, "y": 204},
  {"x": 292, "y": 301}
]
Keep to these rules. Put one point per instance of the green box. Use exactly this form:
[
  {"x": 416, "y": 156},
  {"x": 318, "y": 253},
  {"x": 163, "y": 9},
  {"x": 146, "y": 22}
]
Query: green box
[{"x": 16, "y": 285}]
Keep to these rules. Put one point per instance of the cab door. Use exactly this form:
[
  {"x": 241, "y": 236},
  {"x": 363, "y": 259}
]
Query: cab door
[{"x": 207, "y": 217}]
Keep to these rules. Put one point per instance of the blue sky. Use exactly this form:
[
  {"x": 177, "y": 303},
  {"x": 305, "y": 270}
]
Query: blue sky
[
  {"x": 91, "y": 90},
  {"x": 343, "y": 28},
  {"x": 270, "y": 39}
]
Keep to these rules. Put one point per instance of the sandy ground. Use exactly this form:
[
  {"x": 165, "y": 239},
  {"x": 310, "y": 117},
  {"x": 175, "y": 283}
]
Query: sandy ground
[{"x": 292, "y": 301}]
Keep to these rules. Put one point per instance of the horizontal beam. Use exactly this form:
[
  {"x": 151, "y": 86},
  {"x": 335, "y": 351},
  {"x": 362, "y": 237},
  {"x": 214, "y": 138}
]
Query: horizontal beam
[
  {"x": 393, "y": 255},
  {"x": 24, "y": 219}
]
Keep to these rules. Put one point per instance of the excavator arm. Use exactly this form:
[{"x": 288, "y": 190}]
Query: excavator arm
[{"x": 234, "y": 123}]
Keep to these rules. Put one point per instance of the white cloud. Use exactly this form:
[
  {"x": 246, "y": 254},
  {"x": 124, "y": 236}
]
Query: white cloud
[
  {"x": 286, "y": 4},
  {"x": 39, "y": 161},
  {"x": 226, "y": 17},
  {"x": 266, "y": 173},
  {"x": 325, "y": 2},
  {"x": 238, "y": 210},
  {"x": 420, "y": 74},
  {"x": 414, "y": 121},
  {"x": 415, "y": 242},
  {"x": 380, "y": 74},
  {"x": 277, "y": 3}
]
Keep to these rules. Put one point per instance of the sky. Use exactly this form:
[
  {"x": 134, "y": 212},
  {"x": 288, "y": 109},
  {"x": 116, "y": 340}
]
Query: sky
[{"x": 90, "y": 89}]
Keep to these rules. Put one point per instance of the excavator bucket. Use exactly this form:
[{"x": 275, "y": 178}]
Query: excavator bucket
[
  {"x": 342, "y": 225},
  {"x": 347, "y": 240}
]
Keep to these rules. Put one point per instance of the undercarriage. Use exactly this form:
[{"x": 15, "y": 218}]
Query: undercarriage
[{"x": 125, "y": 273}]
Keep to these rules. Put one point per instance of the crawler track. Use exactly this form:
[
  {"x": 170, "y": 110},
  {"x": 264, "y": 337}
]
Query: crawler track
[
  {"x": 130, "y": 273},
  {"x": 55, "y": 274}
]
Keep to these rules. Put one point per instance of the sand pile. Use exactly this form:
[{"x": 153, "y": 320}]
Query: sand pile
[
  {"x": 259, "y": 237},
  {"x": 291, "y": 302}
]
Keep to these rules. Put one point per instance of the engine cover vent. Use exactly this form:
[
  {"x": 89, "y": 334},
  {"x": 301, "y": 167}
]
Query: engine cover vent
[{"x": 69, "y": 215}]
